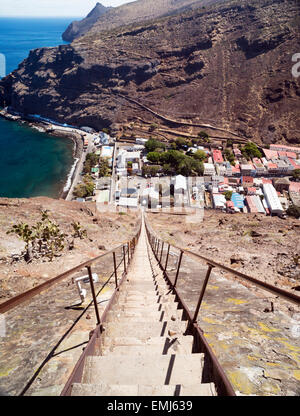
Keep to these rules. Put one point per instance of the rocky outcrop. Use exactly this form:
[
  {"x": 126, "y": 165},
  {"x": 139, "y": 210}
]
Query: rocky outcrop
[
  {"x": 78, "y": 28},
  {"x": 228, "y": 65},
  {"x": 106, "y": 18}
]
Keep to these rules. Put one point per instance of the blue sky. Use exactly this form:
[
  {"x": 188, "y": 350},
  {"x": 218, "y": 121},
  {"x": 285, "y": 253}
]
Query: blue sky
[{"x": 57, "y": 8}]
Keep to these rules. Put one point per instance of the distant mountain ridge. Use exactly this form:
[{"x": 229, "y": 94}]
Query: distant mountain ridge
[
  {"x": 228, "y": 65},
  {"x": 103, "y": 18},
  {"x": 78, "y": 28}
]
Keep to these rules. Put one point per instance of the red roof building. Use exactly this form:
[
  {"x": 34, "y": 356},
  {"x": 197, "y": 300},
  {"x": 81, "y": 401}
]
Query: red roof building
[
  {"x": 251, "y": 205},
  {"x": 265, "y": 180},
  {"x": 217, "y": 156},
  {"x": 285, "y": 148},
  {"x": 247, "y": 181},
  {"x": 251, "y": 191},
  {"x": 293, "y": 163},
  {"x": 270, "y": 154}
]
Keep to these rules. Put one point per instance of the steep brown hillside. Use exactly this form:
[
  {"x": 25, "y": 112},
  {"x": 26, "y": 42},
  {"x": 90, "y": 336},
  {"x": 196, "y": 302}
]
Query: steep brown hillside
[
  {"x": 228, "y": 65},
  {"x": 104, "y": 232}
]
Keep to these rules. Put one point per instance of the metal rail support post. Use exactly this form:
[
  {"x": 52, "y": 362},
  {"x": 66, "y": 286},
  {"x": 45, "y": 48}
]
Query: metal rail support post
[
  {"x": 178, "y": 268},
  {"x": 161, "y": 253},
  {"x": 124, "y": 258},
  {"x": 94, "y": 294},
  {"x": 167, "y": 258},
  {"x": 115, "y": 269},
  {"x": 210, "y": 267},
  {"x": 157, "y": 249}
]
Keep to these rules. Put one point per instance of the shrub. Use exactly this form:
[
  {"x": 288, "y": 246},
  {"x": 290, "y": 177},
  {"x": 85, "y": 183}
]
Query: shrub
[
  {"x": 153, "y": 144},
  {"x": 293, "y": 211}
]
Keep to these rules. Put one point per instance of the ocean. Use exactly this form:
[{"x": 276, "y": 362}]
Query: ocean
[{"x": 31, "y": 163}]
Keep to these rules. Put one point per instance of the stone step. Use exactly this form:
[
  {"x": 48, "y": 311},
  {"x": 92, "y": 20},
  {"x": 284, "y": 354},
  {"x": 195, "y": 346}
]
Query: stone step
[
  {"x": 150, "y": 369},
  {"x": 136, "y": 308},
  {"x": 144, "y": 329},
  {"x": 143, "y": 303},
  {"x": 206, "y": 389},
  {"x": 101, "y": 390},
  {"x": 140, "y": 314},
  {"x": 155, "y": 345},
  {"x": 153, "y": 288},
  {"x": 149, "y": 299}
]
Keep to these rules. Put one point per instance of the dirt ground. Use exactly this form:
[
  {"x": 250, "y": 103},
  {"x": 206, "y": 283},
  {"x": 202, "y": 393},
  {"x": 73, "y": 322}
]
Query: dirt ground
[
  {"x": 104, "y": 231},
  {"x": 267, "y": 248}
]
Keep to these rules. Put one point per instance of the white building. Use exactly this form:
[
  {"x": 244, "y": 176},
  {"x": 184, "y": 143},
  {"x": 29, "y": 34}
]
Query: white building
[
  {"x": 283, "y": 168},
  {"x": 220, "y": 169},
  {"x": 124, "y": 157},
  {"x": 246, "y": 169},
  {"x": 272, "y": 199},
  {"x": 180, "y": 183},
  {"x": 209, "y": 169},
  {"x": 219, "y": 201}
]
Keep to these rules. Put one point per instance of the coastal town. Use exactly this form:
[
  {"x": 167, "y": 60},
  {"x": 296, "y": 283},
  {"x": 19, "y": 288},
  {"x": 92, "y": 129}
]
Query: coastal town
[{"x": 199, "y": 174}]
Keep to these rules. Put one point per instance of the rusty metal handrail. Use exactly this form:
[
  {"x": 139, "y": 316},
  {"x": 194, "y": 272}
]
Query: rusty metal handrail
[
  {"x": 29, "y": 294},
  {"x": 200, "y": 345},
  {"x": 77, "y": 372},
  {"x": 291, "y": 297}
]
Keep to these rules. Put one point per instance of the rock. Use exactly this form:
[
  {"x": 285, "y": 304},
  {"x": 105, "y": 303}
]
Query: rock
[
  {"x": 275, "y": 373},
  {"x": 236, "y": 259},
  {"x": 79, "y": 28},
  {"x": 255, "y": 234},
  {"x": 102, "y": 247}
]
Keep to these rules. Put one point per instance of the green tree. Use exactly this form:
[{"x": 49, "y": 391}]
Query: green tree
[
  {"x": 151, "y": 170},
  {"x": 167, "y": 169},
  {"x": 229, "y": 155},
  {"x": 228, "y": 195},
  {"x": 85, "y": 189},
  {"x": 91, "y": 161},
  {"x": 153, "y": 144},
  {"x": 203, "y": 135},
  {"x": 104, "y": 169},
  {"x": 153, "y": 127},
  {"x": 296, "y": 174},
  {"x": 154, "y": 157},
  {"x": 200, "y": 155},
  {"x": 293, "y": 211},
  {"x": 250, "y": 150}
]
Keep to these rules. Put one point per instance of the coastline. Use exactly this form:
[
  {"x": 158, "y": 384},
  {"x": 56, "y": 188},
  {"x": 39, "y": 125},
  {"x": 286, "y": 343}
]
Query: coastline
[{"x": 74, "y": 134}]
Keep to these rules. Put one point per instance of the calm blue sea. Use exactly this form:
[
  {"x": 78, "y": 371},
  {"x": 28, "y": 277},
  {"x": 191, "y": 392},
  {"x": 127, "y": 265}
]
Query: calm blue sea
[{"x": 31, "y": 163}]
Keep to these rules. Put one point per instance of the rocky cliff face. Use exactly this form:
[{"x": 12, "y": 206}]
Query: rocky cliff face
[
  {"x": 106, "y": 18},
  {"x": 78, "y": 28},
  {"x": 228, "y": 65}
]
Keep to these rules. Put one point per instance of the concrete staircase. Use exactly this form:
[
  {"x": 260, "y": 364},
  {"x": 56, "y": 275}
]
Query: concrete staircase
[{"x": 143, "y": 350}]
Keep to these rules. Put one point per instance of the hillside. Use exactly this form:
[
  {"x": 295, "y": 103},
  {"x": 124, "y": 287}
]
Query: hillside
[
  {"x": 228, "y": 65},
  {"x": 266, "y": 248},
  {"x": 78, "y": 28},
  {"x": 105, "y": 18},
  {"x": 104, "y": 231}
]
